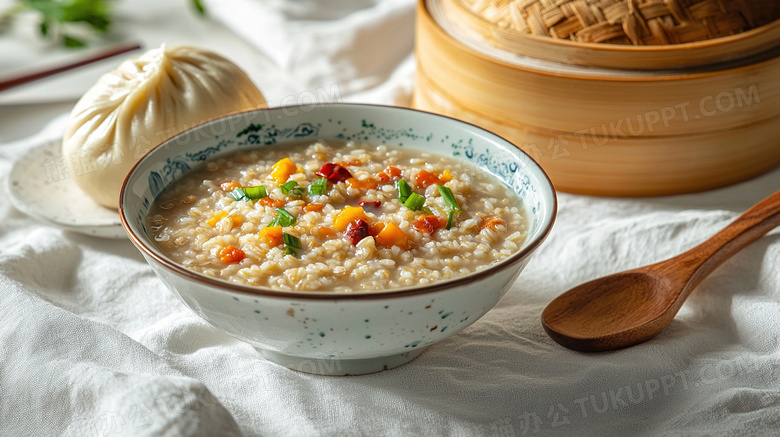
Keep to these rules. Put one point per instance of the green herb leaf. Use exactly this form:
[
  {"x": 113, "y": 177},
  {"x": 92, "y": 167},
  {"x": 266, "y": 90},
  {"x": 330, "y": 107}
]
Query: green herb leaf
[
  {"x": 58, "y": 16},
  {"x": 198, "y": 4},
  {"x": 319, "y": 187},
  {"x": 449, "y": 198},
  {"x": 291, "y": 241},
  {"x": 404, "y": 190},
  {"x": 257, "y": 192},
  {"x": 414, "y": 202},
  {"x": 239, "y": 194},
  {"x": 72, "y": 42},
  {"x": 95, "y": 13}
]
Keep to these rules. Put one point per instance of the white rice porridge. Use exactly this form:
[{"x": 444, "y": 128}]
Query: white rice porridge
[{"x": 364, "y": 232}]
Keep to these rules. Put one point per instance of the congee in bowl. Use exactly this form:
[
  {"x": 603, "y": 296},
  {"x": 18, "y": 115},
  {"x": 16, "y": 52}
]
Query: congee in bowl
[
  {"x": 342, "y": 216},
  {"x": 340, "y": 238}
]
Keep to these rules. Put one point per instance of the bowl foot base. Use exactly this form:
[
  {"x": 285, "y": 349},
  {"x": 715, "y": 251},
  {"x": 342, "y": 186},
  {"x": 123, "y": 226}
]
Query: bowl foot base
[{"x": 339, "y": 367}]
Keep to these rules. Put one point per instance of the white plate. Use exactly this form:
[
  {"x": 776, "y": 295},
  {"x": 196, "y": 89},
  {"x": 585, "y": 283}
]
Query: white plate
[{"x": 40, "y": 186}]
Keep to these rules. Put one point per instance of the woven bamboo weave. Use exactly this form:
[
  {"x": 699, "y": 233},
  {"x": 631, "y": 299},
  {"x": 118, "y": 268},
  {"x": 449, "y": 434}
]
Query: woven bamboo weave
[{"x": 635, "y": 22}]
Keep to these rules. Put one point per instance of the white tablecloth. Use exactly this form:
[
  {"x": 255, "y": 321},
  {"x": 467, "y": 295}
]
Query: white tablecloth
[{"x": 91, "y": 343}]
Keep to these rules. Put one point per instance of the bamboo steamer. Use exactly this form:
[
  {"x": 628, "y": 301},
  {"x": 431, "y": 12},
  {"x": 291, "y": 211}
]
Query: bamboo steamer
[
  {"x": 656, "y": 34},
  {"x": 599, "y": 129}
]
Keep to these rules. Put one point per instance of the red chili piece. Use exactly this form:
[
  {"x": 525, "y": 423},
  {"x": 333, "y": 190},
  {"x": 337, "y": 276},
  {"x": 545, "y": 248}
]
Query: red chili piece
[
  {"x": 357, "y": 231},
  {"x": 374, "y": 203},
  {"x": 334, "y": 173},
  {"x": 429, "y": 224}
]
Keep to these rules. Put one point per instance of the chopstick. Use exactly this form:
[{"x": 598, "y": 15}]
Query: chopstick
[{"x": 32, "y": 76}]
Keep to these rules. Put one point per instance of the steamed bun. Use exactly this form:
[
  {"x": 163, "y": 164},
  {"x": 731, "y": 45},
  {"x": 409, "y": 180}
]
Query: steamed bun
[{"x": 143, "y": 102}]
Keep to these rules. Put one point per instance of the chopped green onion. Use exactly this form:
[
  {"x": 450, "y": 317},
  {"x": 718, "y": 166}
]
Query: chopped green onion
[
  {"x": 427, "y": 211},
  {"x": 319, "y": 187},
  {"x": 291, "y": 188},
  {"x": 291, "y": 241},
  {"x": 451, "y": 202},
  {"x": 283, "y": 219},
  {"x": 404, "y": 190},
  {"x": 287, "y": 186},
  {"x": 239, "y": 194},
  {"x": 257, "y": 192},
  {"x": 449, "y": 198},
  {"x": 290, "y": 251},
  {"x": 414, "y": 202}
]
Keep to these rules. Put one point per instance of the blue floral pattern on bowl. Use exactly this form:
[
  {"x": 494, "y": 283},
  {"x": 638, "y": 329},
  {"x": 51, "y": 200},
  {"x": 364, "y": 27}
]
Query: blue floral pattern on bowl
[
  {"x": 499, "y": 163},
  {"x": 266, "y": 135}
]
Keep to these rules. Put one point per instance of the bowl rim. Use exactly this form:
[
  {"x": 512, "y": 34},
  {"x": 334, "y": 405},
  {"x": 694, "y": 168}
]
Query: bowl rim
[{"x": 223, "y": 285}]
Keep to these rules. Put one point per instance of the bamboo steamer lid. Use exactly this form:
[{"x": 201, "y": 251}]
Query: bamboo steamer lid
[
  {"x": 635, "y": 34},
  {"x": 604, "y": 130}
]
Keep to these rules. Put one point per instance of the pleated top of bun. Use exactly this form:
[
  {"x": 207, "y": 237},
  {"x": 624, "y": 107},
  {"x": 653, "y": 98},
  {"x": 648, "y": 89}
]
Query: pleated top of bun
[{"x": 143, "y": 102}]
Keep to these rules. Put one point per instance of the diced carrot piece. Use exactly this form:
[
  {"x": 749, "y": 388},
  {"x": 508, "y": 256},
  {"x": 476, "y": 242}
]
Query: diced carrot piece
[
  {"x": 314, "y": 207},
  {"x": 282, "y": 170},
  {"x": 268, "y": 201},
  {"x": 392, "y": 235},
  {"x": 216, "y": 218},
  {"x": 361, "y": 184},
  {"x": 229, "y": 186},
  {"x": 393, "y": 172},
  {"x": 354, "y": 183},
  {"x": 237, "y": 220},
  {"x": 491, "y": 222},
  {"x": 231, "y": 255},
  {"x": 383, "y": 177},
  {"x": 429, "y": 223},
  {"x": 369, "y": 183},
  {"x": 425, "y": 179},
  {"x": 326, "y": 231},
  {"x": 348, "y": 215},
  {"x": 352, "y": 162},
  {"x": 271, "y": 236}
]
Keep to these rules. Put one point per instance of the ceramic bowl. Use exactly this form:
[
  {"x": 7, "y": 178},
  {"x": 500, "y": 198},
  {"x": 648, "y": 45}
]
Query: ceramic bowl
[{"x": 339, "y": 333}]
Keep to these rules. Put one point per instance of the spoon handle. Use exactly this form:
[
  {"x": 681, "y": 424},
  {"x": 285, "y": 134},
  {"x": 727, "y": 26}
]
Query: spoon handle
[{"x": 700, "y": 261}]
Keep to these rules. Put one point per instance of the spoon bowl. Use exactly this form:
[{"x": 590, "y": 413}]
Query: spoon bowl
[
  {"x": 631, "y": 307},
  {"x": 608, "y": 311}
]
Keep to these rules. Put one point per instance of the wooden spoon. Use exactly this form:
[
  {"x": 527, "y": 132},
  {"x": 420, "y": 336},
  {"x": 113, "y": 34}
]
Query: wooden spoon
[{"x": 627, "y": 308}]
